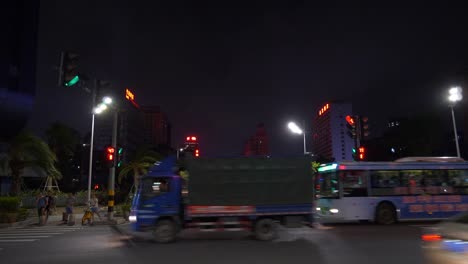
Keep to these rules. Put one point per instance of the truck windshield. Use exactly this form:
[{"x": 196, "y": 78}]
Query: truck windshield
[
  {"x": 154, "y": 186},
  {"x": 327, "y": 185}
]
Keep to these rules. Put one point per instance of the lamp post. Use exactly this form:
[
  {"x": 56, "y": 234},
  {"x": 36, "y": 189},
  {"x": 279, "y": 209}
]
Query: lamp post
[
  {"x": 455, "y": 95},
  {"x": 97, "y": 110},
  {"x": 297, "y": 130}
]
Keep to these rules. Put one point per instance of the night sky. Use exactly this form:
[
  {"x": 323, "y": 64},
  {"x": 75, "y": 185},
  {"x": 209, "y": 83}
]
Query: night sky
[{"x": 217, "y": 70}]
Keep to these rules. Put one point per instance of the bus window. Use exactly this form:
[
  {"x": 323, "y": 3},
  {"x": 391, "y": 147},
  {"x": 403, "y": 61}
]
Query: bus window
[
  {"x": 413, "y": 181},
  {"x": 436, "y": 182},
  {"x": 386, "y": 183},
  {"x": 327, "y": 185},
  {"x": 354, "y": 183},
  {"x": 458, "y": 180}
]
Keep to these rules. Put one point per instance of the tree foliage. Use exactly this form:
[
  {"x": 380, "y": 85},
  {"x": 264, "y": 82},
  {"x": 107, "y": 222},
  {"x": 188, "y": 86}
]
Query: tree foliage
[
  {"x": 27, "y": 150},
  {"x": 139, "y": 165}
]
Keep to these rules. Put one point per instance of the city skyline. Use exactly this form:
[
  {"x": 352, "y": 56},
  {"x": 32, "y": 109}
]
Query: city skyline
[{"x": 218, "y": 71}]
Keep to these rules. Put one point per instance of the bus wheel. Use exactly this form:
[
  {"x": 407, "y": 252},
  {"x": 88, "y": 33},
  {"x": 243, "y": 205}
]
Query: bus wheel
[
  {"x": 265, "y": 229},
  {"x": 386, "y": 214},
  {"x": 164, "y": 231}
]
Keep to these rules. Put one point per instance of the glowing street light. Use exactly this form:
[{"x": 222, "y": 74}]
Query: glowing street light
[
  {"x": 297, "y": 130},
  {"x": 455, "y": 95},
  {"x": 96, "y": 111},
  {"x": 107, "y": 100}
]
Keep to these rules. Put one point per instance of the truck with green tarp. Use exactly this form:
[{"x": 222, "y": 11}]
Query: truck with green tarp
[{"x": 224, "y": 194}]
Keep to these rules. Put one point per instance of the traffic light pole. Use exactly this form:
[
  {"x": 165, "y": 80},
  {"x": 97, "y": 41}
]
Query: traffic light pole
[
  {"x": 358, "y": 132},
  {"x": 110, "y": 189}
]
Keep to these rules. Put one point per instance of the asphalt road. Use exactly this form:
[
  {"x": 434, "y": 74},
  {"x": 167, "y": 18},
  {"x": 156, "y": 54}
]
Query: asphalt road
[{"x": 351, "y": 243}]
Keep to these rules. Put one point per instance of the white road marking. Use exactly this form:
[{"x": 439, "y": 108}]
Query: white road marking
[
  {"x": 12, "y": 237},
  {"x": 30, "y": 234},
  {"x": 17, "y": 240}
]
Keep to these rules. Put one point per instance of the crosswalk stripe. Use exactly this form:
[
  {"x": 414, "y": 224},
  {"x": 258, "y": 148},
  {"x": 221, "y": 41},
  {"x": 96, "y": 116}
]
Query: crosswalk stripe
[
  {"x": 17, "y": 240},
  {"x": 33, "y": 233},
  {"x": 27, "y": 233},
  {"x": 11, "y": 237}
]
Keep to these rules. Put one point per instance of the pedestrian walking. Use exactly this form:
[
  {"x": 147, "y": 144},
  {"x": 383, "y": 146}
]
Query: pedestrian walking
[
  {"x": 71, "y": 200},
  {"x": 94, "y": 206},
  {"x": 41, "y": 203}
]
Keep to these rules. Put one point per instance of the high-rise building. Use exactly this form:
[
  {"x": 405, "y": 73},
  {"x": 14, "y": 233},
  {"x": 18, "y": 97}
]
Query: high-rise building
[
  {"x": 157, "y": 129},
  {"x": 329, "y": 137},
  {"x": 257, "y": 145},
  {"x": 18, "y": 53}
]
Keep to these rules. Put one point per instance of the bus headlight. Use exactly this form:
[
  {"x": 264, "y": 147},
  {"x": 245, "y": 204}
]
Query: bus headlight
[{"x": 334, "y": 211}]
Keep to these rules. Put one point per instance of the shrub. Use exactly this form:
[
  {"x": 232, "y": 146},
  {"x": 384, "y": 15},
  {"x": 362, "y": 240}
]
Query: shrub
[
  {"x": 23, "y": 213},
  {"x": 9, "y": 204}
]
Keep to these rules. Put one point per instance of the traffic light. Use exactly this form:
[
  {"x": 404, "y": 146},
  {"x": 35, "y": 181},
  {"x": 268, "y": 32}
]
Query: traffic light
[
  {"x": 119, "y": 157},
  {"x": 69, "y": 69},
  {"x": 110, "y": 156},
  {"x": 351, "y": 125},
  {"x": 364, "y": 127},
  {"x": 362, "y": 152}
]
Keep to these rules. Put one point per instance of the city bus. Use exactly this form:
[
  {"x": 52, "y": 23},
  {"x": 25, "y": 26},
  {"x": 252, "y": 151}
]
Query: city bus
[{"x": 387, "y": 192}]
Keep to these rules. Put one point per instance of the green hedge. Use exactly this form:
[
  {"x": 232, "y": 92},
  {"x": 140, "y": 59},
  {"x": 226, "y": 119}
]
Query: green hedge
[{"x": 9, "y": 204}]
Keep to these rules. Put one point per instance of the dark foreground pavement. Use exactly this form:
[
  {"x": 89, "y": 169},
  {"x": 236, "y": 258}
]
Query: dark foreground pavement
[{"x": 341, "y": 244}]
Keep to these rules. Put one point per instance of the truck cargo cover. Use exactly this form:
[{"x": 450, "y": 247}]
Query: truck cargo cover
[{"x": 250, "y": 181}]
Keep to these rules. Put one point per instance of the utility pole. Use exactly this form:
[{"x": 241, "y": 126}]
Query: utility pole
[{"x": 111, "y": 186}]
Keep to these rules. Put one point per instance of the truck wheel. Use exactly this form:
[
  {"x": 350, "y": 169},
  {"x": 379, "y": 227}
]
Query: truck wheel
[
  {"x": 164, "y": 231},
  {"x": 265, "y": 229},
  {"x": 386, "y": 214}
]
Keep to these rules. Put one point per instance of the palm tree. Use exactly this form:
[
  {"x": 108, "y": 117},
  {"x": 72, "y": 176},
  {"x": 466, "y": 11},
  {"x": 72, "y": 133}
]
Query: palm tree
[
  {"x": 139, "y": 166},
  {"x": 27, "y": 150}
]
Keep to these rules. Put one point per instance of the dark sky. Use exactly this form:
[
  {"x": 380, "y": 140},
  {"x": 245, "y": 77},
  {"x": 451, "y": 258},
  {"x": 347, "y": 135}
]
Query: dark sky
[{"x": 218, "y": 69}]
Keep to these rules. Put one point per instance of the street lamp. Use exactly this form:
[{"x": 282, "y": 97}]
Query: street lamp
[
  {"x": 97, "y": 110},
  {"x": 297, "y": 130},
  {"x": 455, "y": 95}
]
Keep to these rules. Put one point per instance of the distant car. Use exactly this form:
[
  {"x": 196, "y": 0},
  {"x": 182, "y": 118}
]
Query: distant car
[{"x": 447, "y": 242}]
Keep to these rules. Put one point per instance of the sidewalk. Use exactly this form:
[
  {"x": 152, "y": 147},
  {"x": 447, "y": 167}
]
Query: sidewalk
[{"x": 57, "y": 217}]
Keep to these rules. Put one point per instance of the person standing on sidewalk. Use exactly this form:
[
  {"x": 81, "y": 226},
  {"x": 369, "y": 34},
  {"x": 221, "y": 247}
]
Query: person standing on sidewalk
[{"x": 69, "y": 209}]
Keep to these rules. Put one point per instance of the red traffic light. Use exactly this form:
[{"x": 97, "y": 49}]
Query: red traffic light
[
  {"x": 191, "y": 138},
  {"x": 350, "y": 120},
  {"x": 110, "y": 153}
]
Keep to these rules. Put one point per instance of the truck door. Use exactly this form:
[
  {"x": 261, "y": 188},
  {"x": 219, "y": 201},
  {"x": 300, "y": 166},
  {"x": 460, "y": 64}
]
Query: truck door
[{"x": 159, "y": 197}]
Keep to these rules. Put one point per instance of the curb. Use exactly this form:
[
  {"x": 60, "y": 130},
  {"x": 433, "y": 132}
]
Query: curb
[{"x": 26, "y": 222}]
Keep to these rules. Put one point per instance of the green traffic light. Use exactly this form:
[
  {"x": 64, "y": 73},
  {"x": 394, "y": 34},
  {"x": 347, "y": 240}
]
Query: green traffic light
[
  {"x": 354, "y": 150},
  {"x": 120, "y": 151},
  {"x": 119, "y": 164},
  {"x": 73, "y": 81}
]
